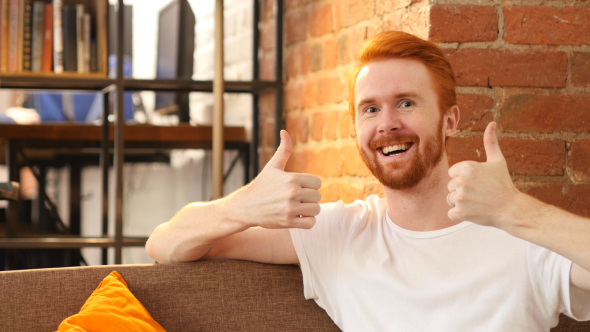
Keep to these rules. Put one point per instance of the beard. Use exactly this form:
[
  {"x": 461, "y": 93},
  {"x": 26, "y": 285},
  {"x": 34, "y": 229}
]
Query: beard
[{"x": 390, "y": 174}]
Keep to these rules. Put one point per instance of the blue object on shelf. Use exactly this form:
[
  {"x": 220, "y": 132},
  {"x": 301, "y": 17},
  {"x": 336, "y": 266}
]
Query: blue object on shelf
[{"x": 85, "y": 106}]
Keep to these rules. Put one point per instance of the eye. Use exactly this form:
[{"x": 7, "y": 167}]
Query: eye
[
  {"x": 406, "y": 103},
  {"x": 371, "y": 110}
]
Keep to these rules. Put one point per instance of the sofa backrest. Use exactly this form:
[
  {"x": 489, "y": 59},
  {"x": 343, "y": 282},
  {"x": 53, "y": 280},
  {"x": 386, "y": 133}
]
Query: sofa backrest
[{"x": 200, "y": 296}]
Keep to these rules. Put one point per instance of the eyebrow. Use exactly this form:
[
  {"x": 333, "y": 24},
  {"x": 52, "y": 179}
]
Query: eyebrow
[{"x": 397, "y": 96}]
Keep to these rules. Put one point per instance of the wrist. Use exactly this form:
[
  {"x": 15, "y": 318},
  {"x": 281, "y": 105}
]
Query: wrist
[{"x": 521, "y": 214}]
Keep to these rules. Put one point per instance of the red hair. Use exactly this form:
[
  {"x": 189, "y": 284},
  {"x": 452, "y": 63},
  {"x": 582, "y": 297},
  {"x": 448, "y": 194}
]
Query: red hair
[{"x": 401, "y": 45}]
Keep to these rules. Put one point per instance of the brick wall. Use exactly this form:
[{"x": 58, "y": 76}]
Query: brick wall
[{"x": 522, "y": 63}]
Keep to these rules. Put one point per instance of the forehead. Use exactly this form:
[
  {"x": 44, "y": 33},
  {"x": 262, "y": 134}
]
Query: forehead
[{"x": 393, "y": 76}]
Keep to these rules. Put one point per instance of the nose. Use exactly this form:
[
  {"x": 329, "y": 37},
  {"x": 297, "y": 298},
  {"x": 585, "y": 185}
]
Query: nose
[{"x": 389, "y": 122}]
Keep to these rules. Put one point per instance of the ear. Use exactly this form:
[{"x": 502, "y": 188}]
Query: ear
[{"x": 451, "y": 120}]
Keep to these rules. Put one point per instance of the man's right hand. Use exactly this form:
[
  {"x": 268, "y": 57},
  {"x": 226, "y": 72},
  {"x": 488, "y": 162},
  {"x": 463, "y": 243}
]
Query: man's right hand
[
  {"x": 250, "y": 224},
  {"x": 279, "y": 199}
]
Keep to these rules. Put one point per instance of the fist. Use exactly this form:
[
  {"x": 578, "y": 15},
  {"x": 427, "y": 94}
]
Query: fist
[
  {"x": 279, "y": 199},
  {"x": 482, "y": 192}
]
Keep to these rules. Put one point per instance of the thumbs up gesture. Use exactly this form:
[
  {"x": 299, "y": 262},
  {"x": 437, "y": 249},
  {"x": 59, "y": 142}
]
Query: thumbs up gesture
[
  {"x": 482, "y": 192},
  {"x": 278, "y": 199}
]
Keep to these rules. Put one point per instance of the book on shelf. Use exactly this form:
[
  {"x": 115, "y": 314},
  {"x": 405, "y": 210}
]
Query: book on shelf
[
  {"x": 53, "y": 36},
  {"x": 27, "y": 35},
  {"x": 70, "y": 51},
  {"x": 58, "y": 45},
  {"x": 4, "y": 35},
  {"x": 37, "y": 41},
  {"x": 47, "y": 56},
  {"x": 13, "y": 35}
]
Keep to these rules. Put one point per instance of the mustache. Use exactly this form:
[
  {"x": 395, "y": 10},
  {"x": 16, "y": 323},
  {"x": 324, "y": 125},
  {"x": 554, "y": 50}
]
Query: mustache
[{"x": 393, "y": 139}]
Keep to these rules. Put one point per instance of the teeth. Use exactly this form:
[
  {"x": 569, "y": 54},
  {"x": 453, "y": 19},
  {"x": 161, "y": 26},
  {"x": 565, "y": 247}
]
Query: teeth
[{"x": 391, "y": 148}]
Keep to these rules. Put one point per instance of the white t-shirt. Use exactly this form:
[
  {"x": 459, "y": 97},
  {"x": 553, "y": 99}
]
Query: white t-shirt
[{"x": 371, "y": 275}]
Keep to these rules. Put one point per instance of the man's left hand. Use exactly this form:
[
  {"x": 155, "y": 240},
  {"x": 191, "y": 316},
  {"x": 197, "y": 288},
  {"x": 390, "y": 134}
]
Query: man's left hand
[{"x": 482, "y": 192}]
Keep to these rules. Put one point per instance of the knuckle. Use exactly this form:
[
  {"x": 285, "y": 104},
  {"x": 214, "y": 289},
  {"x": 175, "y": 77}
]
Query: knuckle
[{"x": 316, "y": 209}]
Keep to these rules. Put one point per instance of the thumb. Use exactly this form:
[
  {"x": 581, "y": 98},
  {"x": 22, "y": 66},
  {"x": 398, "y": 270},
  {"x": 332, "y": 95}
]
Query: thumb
[
  {"x": 490, "y": 143},
  {"x": 279, "y": 159}
]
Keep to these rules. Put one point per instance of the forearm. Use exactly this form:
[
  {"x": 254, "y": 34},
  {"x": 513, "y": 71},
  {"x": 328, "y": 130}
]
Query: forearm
[
  {"x": 191, "y": 233},
  {"x": 550, "y": 227}
]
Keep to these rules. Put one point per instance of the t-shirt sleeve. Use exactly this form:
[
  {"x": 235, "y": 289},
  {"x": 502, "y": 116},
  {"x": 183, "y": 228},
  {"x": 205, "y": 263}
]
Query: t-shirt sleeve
[
  {"x": 550, "y": 276},
  {"x": 320, "y": 248}
]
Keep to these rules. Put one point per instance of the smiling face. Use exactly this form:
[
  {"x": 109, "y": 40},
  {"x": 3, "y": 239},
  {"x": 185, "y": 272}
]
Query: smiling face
[{"x": 398, "y": 123}]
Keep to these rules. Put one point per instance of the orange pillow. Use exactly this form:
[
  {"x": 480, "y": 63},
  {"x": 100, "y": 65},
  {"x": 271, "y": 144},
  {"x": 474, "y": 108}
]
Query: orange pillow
[{"x": 111, "y": 307}]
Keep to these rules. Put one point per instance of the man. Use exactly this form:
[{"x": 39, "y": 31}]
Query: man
[{"x": 407, "y": 262}]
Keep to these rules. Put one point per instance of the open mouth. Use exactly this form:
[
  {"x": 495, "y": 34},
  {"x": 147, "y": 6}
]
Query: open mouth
[{"x": 396, "y": 149}]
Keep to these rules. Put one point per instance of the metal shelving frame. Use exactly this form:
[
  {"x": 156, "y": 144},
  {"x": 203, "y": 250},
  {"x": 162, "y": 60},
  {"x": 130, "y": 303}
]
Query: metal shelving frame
[{"x": 114, "y": 88}]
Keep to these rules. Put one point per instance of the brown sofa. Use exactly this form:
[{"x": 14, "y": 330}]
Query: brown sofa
[{"x": 201, "y": 296}]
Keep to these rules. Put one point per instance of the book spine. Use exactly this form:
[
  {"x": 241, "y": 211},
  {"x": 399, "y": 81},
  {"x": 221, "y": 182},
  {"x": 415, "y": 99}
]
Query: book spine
[
  {"x": 13, "y": 36},
  {"x": 87, "y": 42},
  {"x": 38, "y": 25},
  {"x": 101, "y": 36},
  {"x": 28, "y": 36},
  {"x": 58, "y": 46},
  {"x": 20, "y": 38},
  {"x": 80, "y": 38},
  {"x": 4, "y": 40},
  {"x": 47, "y": 61},
  {"x": 70, "y": 51},
  {"x": 93, "y": 57}
]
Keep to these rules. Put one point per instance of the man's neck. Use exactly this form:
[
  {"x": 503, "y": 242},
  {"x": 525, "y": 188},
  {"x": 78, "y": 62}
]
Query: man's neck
[{"x": 424, "y": 207}]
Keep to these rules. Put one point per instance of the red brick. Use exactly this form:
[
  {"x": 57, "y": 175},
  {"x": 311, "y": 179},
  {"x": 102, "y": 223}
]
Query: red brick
[
  {"x": 330, "y": 53},
  {"x": 373, "y": 188},
  {"x": 386, "y": 6},
  {"x": 268, "y": 135},
  {"x": 532, "y": 113},
  {"x": 581, "y": 160},
  {"x": 297, "y": 162},
  {"x": 526, "y": 157},
  {"x": 317, "y": 125},
  {"x": 478, "y": 67},
  {"x": 294, "y": 59},
  {"x": 547, "y": 25},
  {"x": 317, "y": 57},
  {"x": 321, "y": 20},
  {"x": 571, "y": 197},
  {"x": 338, "y": 10},
  {"x": 331, "y": 125},
  {"x": 295, "y": 25},
  {"x": 352, "y": 163},
  {"x": 360, "y": 10},
  {"x": 306, "y": 59},
  {"x": 345, "y": 126},
  {"x": 580, "y": 69},
  {"x": 293, "y": 96},
  {"x": 296, "y": 126},
  {"x": 476, "y": 111},
  {"x": 329, "y": 90},
  {"x": 268, "y": 36},
  {"x": 267, "y": 66},
  {"x": 267, "y": 9},
  {"x": 343, "y": 49},
  {"x": 450, "y": 23},
  {"x": 350, "y": 193},
  {"x": 310, "y": 91},
  {"x": 328, "y": 162},
  {"x": 330, "y": 193},
  {"x": 358, "y": 37},
  {"x": 266, "y": 102}
]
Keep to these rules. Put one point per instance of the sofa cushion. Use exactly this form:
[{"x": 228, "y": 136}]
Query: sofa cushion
[{"x": 111, "y": 307}]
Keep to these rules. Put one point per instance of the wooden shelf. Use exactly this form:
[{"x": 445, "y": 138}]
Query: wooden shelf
[
  {"x": 133, "y": 133},
  {"x": 97, "y": 82}
]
